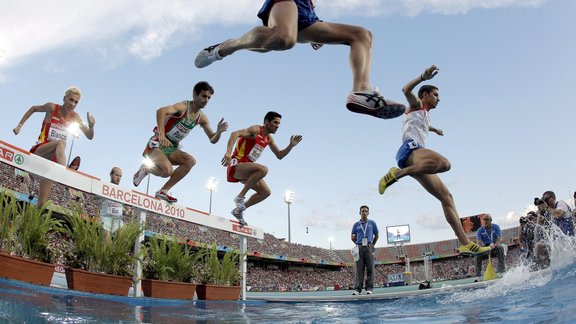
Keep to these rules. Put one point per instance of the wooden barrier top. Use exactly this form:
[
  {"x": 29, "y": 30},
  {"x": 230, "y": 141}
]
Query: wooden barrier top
[{"x": 34, "y": 164}]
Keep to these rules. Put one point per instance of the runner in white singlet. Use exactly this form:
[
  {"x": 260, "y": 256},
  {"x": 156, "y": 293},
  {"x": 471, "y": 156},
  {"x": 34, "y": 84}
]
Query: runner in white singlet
[{"x": 424, "y": 164}]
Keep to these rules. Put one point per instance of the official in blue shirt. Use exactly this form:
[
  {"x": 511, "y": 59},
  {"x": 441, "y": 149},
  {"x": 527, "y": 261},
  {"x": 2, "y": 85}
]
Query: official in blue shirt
[
  {"x": 364, "y": 235},
  {"x": 490, "y": 235}
]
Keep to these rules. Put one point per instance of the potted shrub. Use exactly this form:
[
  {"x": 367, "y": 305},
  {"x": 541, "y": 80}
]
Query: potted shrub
[
  {"x": 24, "y": 241},
  {"x": 168, "y": 268},
  {"x": 219, "y": 278},
  {"x": 8, "y": 212},
  {"x": 100, "y": 261}
]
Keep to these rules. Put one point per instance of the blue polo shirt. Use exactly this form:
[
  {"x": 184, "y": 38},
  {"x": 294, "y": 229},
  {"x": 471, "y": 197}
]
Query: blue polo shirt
[
  {"x": 369, "y": 227},
  {"x": 488, "y": 236}
]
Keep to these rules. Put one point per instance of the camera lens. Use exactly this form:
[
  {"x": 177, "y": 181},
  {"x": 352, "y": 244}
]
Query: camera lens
[{"x": 538, "y": 201}]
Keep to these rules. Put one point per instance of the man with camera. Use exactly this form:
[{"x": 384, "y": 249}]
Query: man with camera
[
  {"x": 490, "y": 235},
  {"x": 556, "y": 210}
]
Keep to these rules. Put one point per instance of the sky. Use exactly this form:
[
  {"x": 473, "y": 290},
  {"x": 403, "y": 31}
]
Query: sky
[{"x": 507, "y": 86}]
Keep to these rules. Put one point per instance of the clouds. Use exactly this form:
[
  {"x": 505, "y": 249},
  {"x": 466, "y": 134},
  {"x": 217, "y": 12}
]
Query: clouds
[
  {"x": 452, "y": 7},
  {"x": 146, "y": 29},
  {"x": 376, "y": 8},
  {"x": 141, "y": 29},
  {"x": 432, "y": 221}
]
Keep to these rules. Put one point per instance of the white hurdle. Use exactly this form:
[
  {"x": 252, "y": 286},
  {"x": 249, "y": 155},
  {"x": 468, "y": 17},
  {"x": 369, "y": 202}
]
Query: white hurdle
[{"x": 34, "y": 164}]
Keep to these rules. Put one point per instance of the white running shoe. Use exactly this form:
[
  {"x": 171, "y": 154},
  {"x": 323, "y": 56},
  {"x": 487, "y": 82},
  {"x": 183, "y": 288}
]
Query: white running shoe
[
  {"x": 208, "y": 56},
  {"x": 355, "y": 292},
  {"x": 368, "y": 292},
  {"x": 140, "y": 175},
  {"x": 372, "y": 103},
  {"x": 236, "y": 212},
  {"x": 164, "y": 195},
  {"x": 239, "y": 201}
]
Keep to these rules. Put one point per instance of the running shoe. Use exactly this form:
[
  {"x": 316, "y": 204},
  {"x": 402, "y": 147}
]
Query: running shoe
[
  {"x": 372, "y": 103},
  {"x": 236, "y": 212},
  {"x": 164, "y": 195},
  {"x": 387, "y": 180},
  {"x": 208, "y": 56},
  {"x": 473, "y": 249},
  {"x": 140, "y": 175},
  {"x": 368, "y": 292},
  {"x": 355, "y": 292},
  {"x": 239, "y": 201}
]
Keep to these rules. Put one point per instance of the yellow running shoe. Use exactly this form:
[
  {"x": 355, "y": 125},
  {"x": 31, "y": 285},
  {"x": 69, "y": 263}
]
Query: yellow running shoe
[
  {"x": 473, "y": 249},
  {"x": 387, "y": 180}
]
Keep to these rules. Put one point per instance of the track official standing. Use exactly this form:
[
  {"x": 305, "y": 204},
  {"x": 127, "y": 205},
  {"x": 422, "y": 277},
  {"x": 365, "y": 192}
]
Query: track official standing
[{"x": 364, "y": 235}]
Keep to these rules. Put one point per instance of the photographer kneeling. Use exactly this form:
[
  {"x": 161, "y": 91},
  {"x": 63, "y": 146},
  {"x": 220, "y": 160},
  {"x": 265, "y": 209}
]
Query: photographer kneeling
[
  {"x": 490, "y": 235},
  {"x": 559, "y": 212}
]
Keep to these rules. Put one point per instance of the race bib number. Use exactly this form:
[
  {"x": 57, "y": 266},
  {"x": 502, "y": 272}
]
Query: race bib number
[
  {"x": 57, "y": 132},
  {"x": 114, "y": 209},
  {"x": 178, "y": 132},
  {"x": 255, "y": 152}
]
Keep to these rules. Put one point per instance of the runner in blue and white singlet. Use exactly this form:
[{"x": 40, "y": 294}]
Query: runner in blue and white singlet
[
  {"x": 416, "y": 125},
  {"x": 415, "y": 131},
  {"x": 423, "y": 164}
]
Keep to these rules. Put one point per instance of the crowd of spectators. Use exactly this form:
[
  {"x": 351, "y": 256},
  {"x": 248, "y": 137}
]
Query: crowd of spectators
[
  {"x": 271, "y": 246},
  {"x": 274, "y": 277},
  {"x": 28, "y": 184}
]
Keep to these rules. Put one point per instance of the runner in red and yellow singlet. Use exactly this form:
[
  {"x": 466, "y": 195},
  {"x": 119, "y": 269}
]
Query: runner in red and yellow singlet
[
  {"x": 242, "y": 166},
  {"x": 51, "y": 143},
  {"x": 248, "y": 150},
  {"x": 54, "y": 129}
]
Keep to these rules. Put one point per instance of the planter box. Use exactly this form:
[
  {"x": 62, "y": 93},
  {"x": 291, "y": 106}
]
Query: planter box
[
  {"x": 212, "y": 292},
  {"x": 18, "y": 268},
  {"x": 100, "y": 283},
  {"x": 168, "y": 289}
]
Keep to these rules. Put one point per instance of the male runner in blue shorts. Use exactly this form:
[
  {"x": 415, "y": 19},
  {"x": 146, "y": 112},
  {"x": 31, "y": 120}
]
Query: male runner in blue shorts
[
  {"x": 289, "y": 21},
  {"x": 423, "y": 164}
]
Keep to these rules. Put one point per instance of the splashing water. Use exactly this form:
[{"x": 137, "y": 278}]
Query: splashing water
[{"x": 522, "y": 280}]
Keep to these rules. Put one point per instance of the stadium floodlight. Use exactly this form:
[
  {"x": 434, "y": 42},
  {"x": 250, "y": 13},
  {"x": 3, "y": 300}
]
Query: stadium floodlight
[
  {"x": 74, "y": 130},
  {"x": 211, "y": 185},
  {"x": 288, "y": 199},
  {"x": 148, "y": 164}
]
